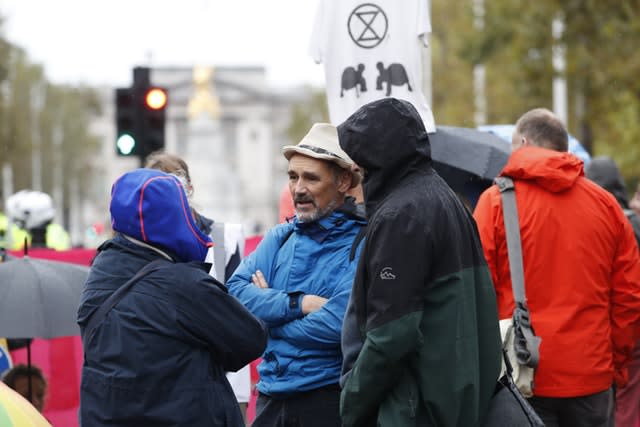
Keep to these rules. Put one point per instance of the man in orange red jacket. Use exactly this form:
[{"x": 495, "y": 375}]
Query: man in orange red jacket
[{"x": 581, "y": 273}]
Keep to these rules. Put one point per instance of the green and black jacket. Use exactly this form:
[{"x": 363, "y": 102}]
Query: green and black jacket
[{"x": 423, "y": 305}]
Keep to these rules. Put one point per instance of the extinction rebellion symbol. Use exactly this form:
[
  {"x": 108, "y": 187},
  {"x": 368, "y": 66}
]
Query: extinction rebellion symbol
[{"x": 367, "y": 25}]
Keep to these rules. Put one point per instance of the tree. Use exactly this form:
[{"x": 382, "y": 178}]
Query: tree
[
  {"x": 452, "y": 74},
  {"x": 39, "y": 117},
  {"x": 19, "y": 115},
  {"x": 311, "y": 108},
  {"x": 600, "y": 40}
]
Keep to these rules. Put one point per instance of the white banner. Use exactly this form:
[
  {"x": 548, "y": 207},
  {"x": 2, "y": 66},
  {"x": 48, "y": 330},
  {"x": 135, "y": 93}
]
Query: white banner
[{"x": 371, "y": 51}]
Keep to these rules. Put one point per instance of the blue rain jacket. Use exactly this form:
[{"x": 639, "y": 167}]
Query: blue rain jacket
[{"x": 303, "y": 352}]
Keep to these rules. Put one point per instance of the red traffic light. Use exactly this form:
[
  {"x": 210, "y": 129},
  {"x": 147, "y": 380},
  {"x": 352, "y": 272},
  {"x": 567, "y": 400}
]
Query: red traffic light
[{"x": 156, "y": 98}]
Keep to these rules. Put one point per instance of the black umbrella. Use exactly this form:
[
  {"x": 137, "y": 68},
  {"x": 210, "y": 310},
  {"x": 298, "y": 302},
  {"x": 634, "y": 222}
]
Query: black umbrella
[
  {"x": 462, "y": 154},
  {"x": 39, "y": 298}
]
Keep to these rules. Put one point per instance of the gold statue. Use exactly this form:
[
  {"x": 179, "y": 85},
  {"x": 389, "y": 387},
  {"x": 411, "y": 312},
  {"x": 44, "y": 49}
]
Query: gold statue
[{"x": 204, "y": 100}]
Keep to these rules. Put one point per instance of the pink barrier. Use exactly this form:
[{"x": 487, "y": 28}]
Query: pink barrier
[{"x": 61, "y": 362}]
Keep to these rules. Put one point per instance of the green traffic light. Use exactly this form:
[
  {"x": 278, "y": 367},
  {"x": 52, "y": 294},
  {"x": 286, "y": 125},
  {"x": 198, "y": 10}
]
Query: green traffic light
[{"x": 125, "y": 143}]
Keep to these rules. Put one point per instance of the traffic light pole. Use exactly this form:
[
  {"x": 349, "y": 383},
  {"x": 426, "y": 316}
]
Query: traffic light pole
[{"x": 141, "y": 78}]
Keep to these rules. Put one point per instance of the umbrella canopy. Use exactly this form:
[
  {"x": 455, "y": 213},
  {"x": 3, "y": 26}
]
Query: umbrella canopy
[
  {"x": 466, "y": 155},
  {"x": 39, "y": 298},
  {"x": 505, "y": 132},
  {"x": 16, "y": 411}
]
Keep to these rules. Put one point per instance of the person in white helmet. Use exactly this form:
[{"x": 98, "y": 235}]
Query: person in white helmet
[{"x": 33, "y": 212}]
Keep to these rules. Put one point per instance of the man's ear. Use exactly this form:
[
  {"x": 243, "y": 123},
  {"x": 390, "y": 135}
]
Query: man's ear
[{"x": 344, "y": 181}]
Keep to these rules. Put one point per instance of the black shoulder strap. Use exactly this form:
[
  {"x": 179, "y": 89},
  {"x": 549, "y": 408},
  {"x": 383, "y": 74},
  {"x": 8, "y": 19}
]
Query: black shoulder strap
[
  {"x": 96, "y": 318},
  {"x": 529, "y": 355},
  {"x": 356, "y": 242},
  {"x": 286, "y": 236}
]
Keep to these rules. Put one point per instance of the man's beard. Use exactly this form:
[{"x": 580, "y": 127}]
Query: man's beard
[{"x": 317, "y": 213}]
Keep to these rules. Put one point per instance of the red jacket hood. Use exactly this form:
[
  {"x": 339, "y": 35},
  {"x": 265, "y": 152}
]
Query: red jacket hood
[{"x": 555, "y": 171}]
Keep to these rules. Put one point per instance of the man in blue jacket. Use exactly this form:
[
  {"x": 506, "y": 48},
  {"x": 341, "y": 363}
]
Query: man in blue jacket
[{"x": 298, "y": 281}]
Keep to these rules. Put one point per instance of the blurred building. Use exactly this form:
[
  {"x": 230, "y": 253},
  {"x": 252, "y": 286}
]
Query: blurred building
[{"x": 233, "y": 151}]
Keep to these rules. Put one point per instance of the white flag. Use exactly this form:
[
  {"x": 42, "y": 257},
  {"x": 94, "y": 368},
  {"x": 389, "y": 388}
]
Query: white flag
[{"x": 371, "y": 51}]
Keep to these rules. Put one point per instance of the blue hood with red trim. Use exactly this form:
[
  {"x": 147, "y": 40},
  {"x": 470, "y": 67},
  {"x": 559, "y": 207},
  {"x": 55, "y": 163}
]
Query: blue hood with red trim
[{"x": 151, "y": 206}]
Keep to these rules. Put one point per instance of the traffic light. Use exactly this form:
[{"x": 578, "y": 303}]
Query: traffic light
[
  {"x": 140, "y": 116},
  {"x": 152, "y": 119},
  {"x": 126, "y": 123}
]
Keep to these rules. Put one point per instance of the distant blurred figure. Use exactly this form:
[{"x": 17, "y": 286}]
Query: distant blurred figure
[
  {"x": 604, "y": 172},
  {"x": 286, "y": 209},
  {"x": 18, "y": 379},
  {"x": 11, "y": 236},
  {"x": 634, "y": 204},
  {"x": 33, "y": 212},
  {"x": 8, "y": 232},
  {"x": 228, "y": 245}
]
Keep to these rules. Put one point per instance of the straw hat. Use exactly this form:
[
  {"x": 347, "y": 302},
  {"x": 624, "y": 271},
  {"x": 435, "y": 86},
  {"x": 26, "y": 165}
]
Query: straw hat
[{"x": 321, "y": 142}]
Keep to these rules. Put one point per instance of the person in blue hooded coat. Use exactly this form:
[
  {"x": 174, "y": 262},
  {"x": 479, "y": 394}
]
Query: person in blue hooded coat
[{"x": 159, "y": 356}]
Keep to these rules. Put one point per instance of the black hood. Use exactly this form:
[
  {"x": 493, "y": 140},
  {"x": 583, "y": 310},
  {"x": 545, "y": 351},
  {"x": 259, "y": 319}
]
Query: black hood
[
  {"x": 204, "y": 224},
  {"x": 604, "y": 172},
  {"x": 388, "y": 139}
]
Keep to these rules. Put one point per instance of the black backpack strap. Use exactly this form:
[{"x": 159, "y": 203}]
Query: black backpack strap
[
  {"x": 356, "y": 242},
  {"x": 98, "y": 316},
  {"x": 287, "y": 235}
]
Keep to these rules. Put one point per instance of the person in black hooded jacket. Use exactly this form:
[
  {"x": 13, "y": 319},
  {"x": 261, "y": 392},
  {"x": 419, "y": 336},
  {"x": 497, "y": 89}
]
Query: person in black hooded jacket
[{"x": 421, "y": 341}]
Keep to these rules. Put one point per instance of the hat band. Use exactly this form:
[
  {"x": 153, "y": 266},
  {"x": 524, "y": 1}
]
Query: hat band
[{"x": 319, "y": 150}]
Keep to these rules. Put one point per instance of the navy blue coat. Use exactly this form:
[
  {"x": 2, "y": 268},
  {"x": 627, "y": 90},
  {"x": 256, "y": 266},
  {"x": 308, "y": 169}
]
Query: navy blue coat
[{"x": 159, "y": 357}]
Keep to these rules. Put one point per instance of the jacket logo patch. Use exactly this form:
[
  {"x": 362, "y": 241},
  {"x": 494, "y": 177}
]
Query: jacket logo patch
[{"x": 387, "y": 274}]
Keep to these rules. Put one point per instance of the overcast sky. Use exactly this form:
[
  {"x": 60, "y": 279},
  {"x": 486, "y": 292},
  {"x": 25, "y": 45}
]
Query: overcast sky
[{"x": 99, "y": 42}]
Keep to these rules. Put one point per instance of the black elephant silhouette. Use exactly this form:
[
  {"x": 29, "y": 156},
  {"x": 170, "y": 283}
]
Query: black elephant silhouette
[
  {"x": 393, "y": 75},
  {"x": 353, "y": 78}
]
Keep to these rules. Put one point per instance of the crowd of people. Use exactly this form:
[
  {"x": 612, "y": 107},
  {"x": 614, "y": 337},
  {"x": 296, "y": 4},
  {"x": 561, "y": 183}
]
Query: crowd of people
[{"x": 377, "y": 301}]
